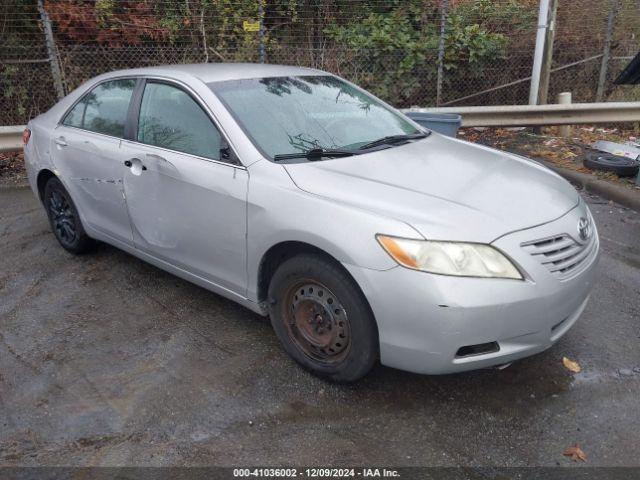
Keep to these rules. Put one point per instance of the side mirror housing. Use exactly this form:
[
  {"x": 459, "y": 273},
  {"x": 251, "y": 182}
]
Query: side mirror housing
[{"x": 227, "y": 154}]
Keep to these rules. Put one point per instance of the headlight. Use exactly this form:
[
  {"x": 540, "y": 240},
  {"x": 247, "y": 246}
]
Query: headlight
[{"x": 449, "y": 258}]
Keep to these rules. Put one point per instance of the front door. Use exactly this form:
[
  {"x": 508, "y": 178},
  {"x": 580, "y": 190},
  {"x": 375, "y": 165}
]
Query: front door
[
  {"x": 187, "y": 207},
  {"x": 86, "y": 153}
]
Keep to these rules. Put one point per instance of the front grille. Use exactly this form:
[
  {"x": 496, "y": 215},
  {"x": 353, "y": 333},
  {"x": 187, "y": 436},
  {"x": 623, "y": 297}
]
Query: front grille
[{"x": 562, "y": 255}]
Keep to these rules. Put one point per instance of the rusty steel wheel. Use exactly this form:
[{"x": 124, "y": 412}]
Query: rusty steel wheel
[
  {"x": 322, "y": 318},
  {"x": 317, "y": 322}
]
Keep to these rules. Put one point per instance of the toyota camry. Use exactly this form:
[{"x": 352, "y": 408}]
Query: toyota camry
[{"x": 362, "y": 235}]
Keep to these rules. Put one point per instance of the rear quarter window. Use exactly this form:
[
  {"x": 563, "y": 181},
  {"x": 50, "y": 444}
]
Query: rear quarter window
[{"x": 104, "y": 109}]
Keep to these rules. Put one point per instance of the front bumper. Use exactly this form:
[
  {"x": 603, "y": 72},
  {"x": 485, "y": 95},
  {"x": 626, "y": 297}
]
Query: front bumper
[{"x": 424, "y": 319}]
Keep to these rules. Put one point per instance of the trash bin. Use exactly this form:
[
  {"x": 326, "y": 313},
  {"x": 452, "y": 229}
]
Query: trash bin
[{"x": 444, "y": 123}]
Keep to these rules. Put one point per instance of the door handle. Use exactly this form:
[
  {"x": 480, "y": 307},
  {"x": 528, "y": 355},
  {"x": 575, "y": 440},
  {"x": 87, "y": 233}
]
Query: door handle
[
  {"x": 129, "y": 163},
  {"x": 157, "y": 157},
  {"x": 60, "y": 141}
]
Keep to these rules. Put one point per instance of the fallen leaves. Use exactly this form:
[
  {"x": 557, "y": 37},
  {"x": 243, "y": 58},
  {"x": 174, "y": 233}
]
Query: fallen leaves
[
  {"x": 571, "y": 365},
  {"x": 12, "y": 166},
  {"x": 575, "y": 453},
  {"x": 564, "y": 152}
]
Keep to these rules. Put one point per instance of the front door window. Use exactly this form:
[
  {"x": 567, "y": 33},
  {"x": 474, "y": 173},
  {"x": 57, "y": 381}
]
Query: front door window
[{"x": 170, "y": 118}]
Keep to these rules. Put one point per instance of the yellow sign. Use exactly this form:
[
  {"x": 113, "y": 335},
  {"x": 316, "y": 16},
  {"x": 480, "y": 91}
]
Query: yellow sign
[{"x": 250, "y": 26}]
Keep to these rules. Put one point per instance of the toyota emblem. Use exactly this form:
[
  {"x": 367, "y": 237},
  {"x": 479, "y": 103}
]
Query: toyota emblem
[{"x": 584, "y": 229}]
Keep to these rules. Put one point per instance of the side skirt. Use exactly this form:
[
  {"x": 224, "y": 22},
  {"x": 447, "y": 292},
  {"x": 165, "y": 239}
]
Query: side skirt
[{"x": 178, "y": 272}]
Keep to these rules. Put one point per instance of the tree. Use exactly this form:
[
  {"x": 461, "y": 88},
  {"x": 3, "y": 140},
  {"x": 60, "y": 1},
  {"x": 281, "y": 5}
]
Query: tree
[{"x": 107, "y": 22}]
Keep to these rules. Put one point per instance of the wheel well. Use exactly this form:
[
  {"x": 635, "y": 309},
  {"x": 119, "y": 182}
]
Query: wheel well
[
  {"x": 277, "y": 255},
  {"x": 43, "y": 178},
  {"x": 281, "y": 252}
]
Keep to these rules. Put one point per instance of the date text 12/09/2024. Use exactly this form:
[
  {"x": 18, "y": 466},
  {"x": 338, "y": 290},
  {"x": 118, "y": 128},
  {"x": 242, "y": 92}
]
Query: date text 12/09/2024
[{"x": 315, "y": 472}]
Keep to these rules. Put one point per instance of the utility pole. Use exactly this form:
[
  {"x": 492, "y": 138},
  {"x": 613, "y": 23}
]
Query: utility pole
[
  {"x": 543, "y": 15},
  {"x": 56, "y": 72},
  {"x": 547, "y": 59},
  {"x": 604, "y": 66}
]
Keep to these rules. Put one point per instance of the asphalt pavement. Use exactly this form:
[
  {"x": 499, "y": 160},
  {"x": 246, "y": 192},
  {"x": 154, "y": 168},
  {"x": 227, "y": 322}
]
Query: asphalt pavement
[{"x": 106, "y": 360}]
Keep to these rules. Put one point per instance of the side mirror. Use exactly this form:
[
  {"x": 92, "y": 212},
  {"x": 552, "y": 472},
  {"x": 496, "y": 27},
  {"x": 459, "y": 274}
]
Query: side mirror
[{"x": 227, "y": 154}]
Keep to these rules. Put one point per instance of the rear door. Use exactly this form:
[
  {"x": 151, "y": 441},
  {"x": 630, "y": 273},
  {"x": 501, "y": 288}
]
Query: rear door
[
  {"x": 187, "y": 203},
  {"x": 86, "y": 154}
]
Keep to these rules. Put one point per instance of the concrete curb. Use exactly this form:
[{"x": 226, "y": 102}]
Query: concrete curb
[{"x": 624, "y": 196}]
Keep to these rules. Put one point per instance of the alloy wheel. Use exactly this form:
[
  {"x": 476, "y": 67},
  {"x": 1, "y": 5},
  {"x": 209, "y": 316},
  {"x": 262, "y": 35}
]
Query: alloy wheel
[{"x": 62, "y": 218}]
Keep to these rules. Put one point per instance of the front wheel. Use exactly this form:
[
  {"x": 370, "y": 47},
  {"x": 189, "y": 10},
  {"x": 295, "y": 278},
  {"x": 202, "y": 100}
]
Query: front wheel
[
  {"x": 64, "y": 219},
  {"x": 322, "y": 318}
]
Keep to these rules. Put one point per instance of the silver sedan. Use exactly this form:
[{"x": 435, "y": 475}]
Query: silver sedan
[{"x": 303, "y": 197}]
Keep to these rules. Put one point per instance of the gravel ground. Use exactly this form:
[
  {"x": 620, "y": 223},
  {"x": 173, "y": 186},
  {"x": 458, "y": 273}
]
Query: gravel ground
[
  {"x": 12, "y": 172},
  {"x": 105, "y": 360}
]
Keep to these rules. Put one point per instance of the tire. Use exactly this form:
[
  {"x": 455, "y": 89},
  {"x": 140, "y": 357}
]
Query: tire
[
  {"x": 64, "y": 219},
  {"x": 322, "y": 318},
  {"x": 607, "y": 162}
]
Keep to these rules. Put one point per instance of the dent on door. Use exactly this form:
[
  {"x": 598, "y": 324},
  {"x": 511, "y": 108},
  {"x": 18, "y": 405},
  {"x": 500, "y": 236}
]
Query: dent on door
[
  {"x": 151, "y": 201},
  {"x": 81, "y": 165},
  {"x": 190, "y": 212},
  {"x": 93, "y": 174}
]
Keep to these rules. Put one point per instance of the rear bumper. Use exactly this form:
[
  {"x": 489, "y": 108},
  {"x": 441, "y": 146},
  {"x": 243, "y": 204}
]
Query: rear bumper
[
  {"x": 30, "y": 163},
  {"x": 424, "y": 319}
]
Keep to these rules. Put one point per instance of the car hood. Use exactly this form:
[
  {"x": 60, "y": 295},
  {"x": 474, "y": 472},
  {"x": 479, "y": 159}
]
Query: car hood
[{"x": 445, "y": 188}]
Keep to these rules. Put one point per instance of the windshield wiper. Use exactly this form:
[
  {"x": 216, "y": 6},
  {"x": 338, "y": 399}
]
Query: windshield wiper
[
  {"x": 314, "y": 154},
  {"x": 391, "y": 139}
]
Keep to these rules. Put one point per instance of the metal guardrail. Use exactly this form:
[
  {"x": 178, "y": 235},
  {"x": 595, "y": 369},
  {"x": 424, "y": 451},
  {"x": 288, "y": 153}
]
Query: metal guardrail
[
  {"x": 538, "y": 115},
  {"x": 11, "y": 138},
  {"x": 492, "y": 116}
]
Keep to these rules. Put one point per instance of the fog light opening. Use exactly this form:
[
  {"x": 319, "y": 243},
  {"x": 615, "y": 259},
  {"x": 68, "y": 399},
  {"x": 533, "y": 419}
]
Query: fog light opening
[{"x": 479, "y": 349}]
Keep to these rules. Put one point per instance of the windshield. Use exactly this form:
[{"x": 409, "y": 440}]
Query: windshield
[{"x": 284, "y": 115}]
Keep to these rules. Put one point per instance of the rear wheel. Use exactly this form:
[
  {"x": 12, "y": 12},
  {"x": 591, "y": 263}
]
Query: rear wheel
[
  {"x": 64, "y": 219},
  {"x": 322, "y": 318}
]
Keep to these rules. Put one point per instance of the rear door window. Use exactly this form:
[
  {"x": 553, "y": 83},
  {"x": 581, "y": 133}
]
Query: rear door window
[
  {"x": 104, "y": 109},
  {"x": 170, "y": 118}
]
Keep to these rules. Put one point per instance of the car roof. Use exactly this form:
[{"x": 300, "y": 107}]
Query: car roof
[{"x": 219, "y": 72}]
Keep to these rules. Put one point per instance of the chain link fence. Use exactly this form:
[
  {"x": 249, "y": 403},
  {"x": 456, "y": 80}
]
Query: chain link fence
[{"x": 413, "y": 52}]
